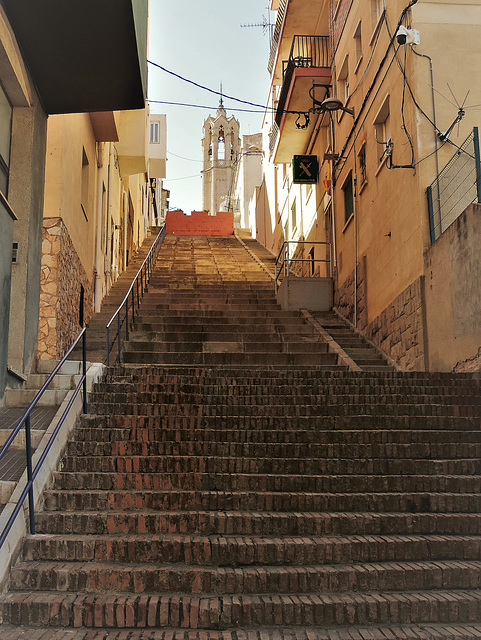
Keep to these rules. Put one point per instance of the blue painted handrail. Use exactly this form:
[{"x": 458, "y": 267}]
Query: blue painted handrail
[
  {"x": 139, "y": 284},
  {"x": 25, "y": 420}
]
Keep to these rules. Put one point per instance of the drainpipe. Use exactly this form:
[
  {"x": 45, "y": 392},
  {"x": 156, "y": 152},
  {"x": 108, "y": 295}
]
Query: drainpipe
[{"x": 98, "y": 251}]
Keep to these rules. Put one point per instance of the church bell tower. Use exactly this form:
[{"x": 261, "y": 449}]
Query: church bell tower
[{"x": 221, "y": 148}]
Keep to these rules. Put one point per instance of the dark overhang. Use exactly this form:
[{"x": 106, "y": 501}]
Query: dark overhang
[{"x": 83, "y": 55}]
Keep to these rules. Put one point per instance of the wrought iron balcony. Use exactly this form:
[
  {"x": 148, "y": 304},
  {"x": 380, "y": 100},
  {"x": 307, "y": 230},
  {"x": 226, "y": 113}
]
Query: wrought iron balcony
[
  {"x": 307, "y": 52},
  {"x": 308, "y": 61}
]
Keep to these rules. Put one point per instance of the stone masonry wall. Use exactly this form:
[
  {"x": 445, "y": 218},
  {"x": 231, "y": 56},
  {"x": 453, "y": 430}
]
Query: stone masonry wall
[
  {"x": 399, "y": 330},
  {"x": 62, "y": 275},
  {"x": 344, "y": 296}
]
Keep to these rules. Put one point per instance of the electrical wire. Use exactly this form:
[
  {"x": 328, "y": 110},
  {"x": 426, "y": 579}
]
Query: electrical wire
[
  {"x": 201, "y": 106},
  {"x": 200, "y": 86},
  {"x": 196, "y": 175},
  {"x": 171, "y": 153}
]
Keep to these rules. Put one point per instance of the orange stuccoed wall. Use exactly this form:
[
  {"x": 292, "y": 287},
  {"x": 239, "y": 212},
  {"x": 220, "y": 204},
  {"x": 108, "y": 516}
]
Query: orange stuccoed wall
[{"x": 199, "y": 223}]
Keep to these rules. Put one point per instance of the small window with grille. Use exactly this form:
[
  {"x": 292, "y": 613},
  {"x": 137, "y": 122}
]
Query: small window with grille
[{"x": 15, "y": 253}]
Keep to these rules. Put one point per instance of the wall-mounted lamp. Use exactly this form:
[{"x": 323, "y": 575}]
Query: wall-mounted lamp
[{"x": 334, "y": 104}]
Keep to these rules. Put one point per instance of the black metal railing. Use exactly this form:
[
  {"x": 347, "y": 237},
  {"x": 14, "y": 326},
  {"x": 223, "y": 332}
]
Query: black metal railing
[
  {"x": 129, "y": 304},
  {"x": 457, "y": 186},
  {"x": 306, "y": 52},
  {"x": 25, "y": 421},
  {"x": 291, "y": 261}
]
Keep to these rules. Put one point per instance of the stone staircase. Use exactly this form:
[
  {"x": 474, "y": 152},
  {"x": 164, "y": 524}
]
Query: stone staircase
[{"x": 227, "y": 491}]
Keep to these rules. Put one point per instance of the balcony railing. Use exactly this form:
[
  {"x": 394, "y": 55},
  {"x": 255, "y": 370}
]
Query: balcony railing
[{"x": 306, "y": 52}]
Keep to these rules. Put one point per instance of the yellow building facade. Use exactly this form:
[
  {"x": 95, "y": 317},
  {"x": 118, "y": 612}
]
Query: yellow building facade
[
  {"x": 99, "y": 207},
  {"x": 384, "y": 95}
]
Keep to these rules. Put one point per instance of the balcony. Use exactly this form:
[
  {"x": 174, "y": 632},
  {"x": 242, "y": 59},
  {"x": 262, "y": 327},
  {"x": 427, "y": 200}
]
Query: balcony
[{"x": 308, "y": 63}]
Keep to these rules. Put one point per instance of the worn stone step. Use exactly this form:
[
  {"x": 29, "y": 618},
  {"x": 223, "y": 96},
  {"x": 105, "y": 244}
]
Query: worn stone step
[
  {"x": 233, "y": 345},
  {"x": 328, "y": 360},
  {"x": 208, "y": 611},
  {"x": 192, "y": 579}
]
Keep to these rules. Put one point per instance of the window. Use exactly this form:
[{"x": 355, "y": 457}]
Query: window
[
  {"x": 377, "y": 8},
  {"x": 343, "y": 81},
  {"x": 362, "y": 164},
  {"x": 15, "y": 253},
  {"x": 358, "y": 43},
  {"x": 5, "y": 136},
  {"x": 348, "y": 198},
  {"x": 85, "y": 184},
  {"x": 154, "y": 133},
  {"x": 312, "y": 262},
  {"x": 221, "y": 145},
  {"x": 382, "y": 129}
]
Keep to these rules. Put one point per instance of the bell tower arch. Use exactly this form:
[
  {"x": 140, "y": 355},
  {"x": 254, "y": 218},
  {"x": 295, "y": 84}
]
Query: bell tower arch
[{"x": 220, "y": 150}]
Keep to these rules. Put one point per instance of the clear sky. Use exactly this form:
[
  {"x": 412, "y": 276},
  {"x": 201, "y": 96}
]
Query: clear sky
[{"x": 205, "y": 43}]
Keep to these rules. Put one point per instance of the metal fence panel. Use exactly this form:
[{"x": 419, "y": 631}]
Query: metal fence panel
[{"x": 456, "y": 187}]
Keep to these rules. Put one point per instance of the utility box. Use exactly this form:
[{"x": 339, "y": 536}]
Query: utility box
[{"x": 314, "y": 294}]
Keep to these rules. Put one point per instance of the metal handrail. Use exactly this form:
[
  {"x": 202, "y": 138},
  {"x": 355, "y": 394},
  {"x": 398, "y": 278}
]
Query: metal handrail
[
  {"x": 144, "y": 274},
  {"x": 284, "y": 261},
  {"x": 25, "y": 419}
]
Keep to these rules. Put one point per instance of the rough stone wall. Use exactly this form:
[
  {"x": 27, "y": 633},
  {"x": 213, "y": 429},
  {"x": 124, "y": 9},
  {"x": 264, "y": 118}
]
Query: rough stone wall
[
  {"x": 344, "y": 296},
  {"x": 62, "y": 275},
  {"x": 399, "y": 330}
]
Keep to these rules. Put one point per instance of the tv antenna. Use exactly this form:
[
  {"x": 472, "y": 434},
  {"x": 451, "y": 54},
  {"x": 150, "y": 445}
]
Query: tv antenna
[{"x": 266, "y": 24}]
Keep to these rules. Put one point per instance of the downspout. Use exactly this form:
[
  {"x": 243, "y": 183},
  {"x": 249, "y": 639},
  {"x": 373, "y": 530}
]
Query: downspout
[{"x": 98, "y": 252}]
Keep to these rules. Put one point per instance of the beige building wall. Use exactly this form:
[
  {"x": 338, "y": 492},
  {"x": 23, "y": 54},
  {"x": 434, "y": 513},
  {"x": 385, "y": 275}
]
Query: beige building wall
[{"x": 95, "y": 219}]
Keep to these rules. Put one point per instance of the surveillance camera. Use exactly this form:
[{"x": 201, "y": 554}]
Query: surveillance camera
[
  {"x": 402, "y": 35},
  {"x": 407, "y": 36}
]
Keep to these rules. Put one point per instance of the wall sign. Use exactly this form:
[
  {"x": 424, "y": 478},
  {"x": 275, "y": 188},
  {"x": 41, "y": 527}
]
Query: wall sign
[{"x": 305, "y": 169}]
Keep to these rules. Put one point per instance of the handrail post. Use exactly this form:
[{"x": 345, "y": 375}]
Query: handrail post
[
  {"x": 127, "y": 318},
  {"x": 84, "y": 358},
  {"x": 119, "y": 337},
  {"x": 133, "y": 306},
  {"x": 108, "y": 346},
  {"x": 28, "y": 447}
]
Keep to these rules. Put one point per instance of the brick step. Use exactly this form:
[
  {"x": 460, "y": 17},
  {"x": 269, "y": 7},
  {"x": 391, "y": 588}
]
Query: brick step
[
  {"x": 327, "y": 360},
  {"x": 278, "y": 411},
  {"x": 443, "y": 631},
  {"x": 187, "y": 444},
  {"x": 331, "y": 466},
  {"x": 254, "y": 428},
  {"x": 158, "y": 302},
  {"x": 239, "y": 385},
  {"x": 159, "y": 328},
  {"x": 259, "y": 428},
  {"x": 229, "y": 334},
  {"x": 270, "y": 376},
  {"x": 367, "y": 474},
  {"x": 209, "y": 611},
  {"x": 235, "y": 344},
  {"x": 219, "y": 396},
  {"x": 263, "y": 522},
  {"x": 192, "y": 579},
  {"x": 221, "y": 314},
  {"x": 205, "y": 497}
]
